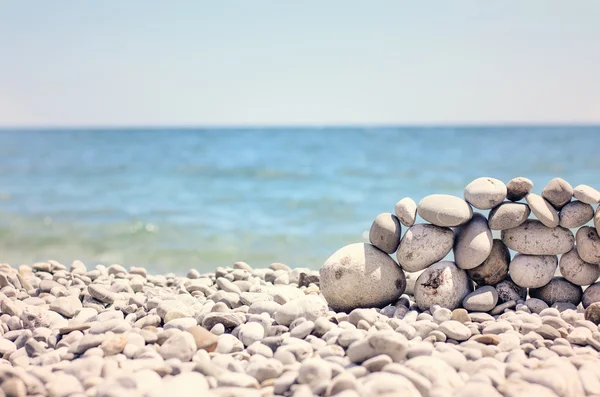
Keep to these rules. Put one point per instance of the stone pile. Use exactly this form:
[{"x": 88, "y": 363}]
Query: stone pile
[{"x": 538, "y": 230}]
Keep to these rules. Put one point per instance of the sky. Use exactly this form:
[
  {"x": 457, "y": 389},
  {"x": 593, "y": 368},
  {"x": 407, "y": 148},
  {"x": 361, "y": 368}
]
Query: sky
[{"x": 259, "y": 62}]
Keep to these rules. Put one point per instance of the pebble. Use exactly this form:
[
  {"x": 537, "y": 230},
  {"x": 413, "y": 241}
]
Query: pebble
[
  {"x": 485, "y": 193},
  {"x": 204, "y": 339},
  {"x": 455, "y": 330},
  {"x": 586, "y": 194},
  {"x": 558, "y": 192},
  {"x": 473, "y": 243},
  {"x": 509, "y": 291},
  {"x": 591, "y": 295},
  {"x": 495, "y": 268},
  {"x": 532, "y": 271},
  {"x": 442, "y": 284},
  {"x": 588, "y": 244},
  {"x": 406, "y": 211},
  {"x": 533, "y": 238},
  {"x": 348, "y": 281},
  {"x": 575, "y": 214},
  {"x": 558, "y": 290},
  {"x": 423, "y": 245},
  {"x": 482, "y": 299},
  {"x": 592, "y": 313},
  {"x": 444, "y": 210},
  {"x": 180, "y": 345},
  {"x": 576, "y": 270},
  {"x": 385, "y": 232},
  {"x": 518, "y": 188},
  {"x": 508, "y": 215},
  {"x": 542, "y": 210}
]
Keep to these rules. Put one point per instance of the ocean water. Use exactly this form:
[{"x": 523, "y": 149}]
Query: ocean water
[{"x": 175, "y": 199}]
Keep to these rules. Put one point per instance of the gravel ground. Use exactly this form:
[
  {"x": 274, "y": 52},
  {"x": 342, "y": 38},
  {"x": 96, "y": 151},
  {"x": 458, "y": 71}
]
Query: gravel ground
[{"x": 108, "y": 331}]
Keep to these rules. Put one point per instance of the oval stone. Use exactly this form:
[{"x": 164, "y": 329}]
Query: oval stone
[
  {"x": 485, "y": 193},
  {"x": 597, "y": 219},
  {"x": 473, "y": 243},
  {"x": 558, "y": 192},
  {"x": 385, "y": 232},
  {"x": 482, "y": 299},
  {"x": 518, "y": 188},
  {"x": 508, "y": 215},
  {"x": 576, "y": 270},
  {"x": 542, "y": 210},
  {"x": 444, "y": 210},
  {"x": 406, "y": 211},
  {"x": 588, "y": 244},
  {"x": 423, "y": 245},
  {"x": 495, "y": 268},
  {"x": 509, "y": 291},
  {"x": 575, "y": 214},
  {"x": 591, "y": 295},
  {"x": 360, "y": 275},
  {"x": 586, "y": 194},
  {"x": 442, "y": 284},
  {"x": 533, "y": 238},
  {"x": 532, "y": 271},
  {"x": 558, "y": 290}
]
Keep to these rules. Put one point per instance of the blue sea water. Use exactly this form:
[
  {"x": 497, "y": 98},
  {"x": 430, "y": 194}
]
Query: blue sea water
[{"x": 175, "y": 199}]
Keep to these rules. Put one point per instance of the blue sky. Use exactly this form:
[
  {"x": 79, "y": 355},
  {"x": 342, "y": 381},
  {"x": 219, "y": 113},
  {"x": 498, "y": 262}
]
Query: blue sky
[{"x": 95, "y": 63}]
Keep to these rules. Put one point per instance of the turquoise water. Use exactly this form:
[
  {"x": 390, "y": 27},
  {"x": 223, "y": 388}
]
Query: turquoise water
[{"x": 175, "y": 199}]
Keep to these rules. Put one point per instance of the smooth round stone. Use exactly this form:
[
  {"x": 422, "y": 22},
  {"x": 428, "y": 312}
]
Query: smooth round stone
[
  {"x": 310, "y": 307},
  {"x": 442, "y": 284},
  {"x": 509, "y": 291},
  {"x": 508, "y": 215},
  {"x": 482, "y": 299},
  {"x": 533, "y": 238},
  {"x": 385, "y": 232},
  {"x": 576, "y": 270},
  {"x": 485, "y": 193},
  {"x": 360, "y": 275},
  {"x": 532, "y": 271},
  {"x": 597, "y": 219},
  {"x": 558, "y": 290},
  {"x": 423, "y": 245},
  {"x": 586, "y": 194},
  {"x": 591, "y": 295},
  {"x": 536, "y": 305},
  {"x": 518, "y": 188},
  {"x": 495, "y": 268},
  {"x": 473, "y": 243},
  {"x": 575, "y": 214},
  {"x": 558, "y": 192},
  {"x": 205, "y": 339},
  {"x": 588, "y": 244},
  {"x": 592, "y": 312},
  {"x": 455, "y": 330},
  {"x": 444, "y": 210},
  {"x": 406, "y": 211},
  {"x": 542, "y": 210}
]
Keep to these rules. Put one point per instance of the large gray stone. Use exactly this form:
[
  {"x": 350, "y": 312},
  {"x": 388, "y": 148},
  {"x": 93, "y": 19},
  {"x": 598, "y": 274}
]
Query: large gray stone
[
  {"x": 444, "y": 210},
  {"x": 542, "y": 210},
  {"x": 518, "y": 188},
  {"x": 586, "y": 194},
  {"x": 558, "y": 290},
  {"x": 360, "y": 275},
  {"x": 423, "y": 245},
  {"x": 575, "y": 214},
  {"x": 532, "y": 271},
  {"x": 508, "y": 215},
  {"x": 482, "y": 299},
  {"x": 385, "y": 233},
  {"x": 473, "y": 243},
  {"x": 591, "y": 295},
  {"x": 442, "y": 284},
  {"x": 588, "y": 244},
  {"x": 485, "y": 193},
  {"x": 533, "y": 238},
  {"x": 576, "y": 270},
  {"x": 495, "y": 268},
  {"x": 558, "y": 192}
]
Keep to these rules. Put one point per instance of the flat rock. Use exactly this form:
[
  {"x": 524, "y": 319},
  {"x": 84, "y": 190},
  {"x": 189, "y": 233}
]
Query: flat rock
[
  {"x": 558, "y": 290},
  {"x": 586, "y": 194},
  {"x": 357, "y": 275},
  {"x": 532, "y": 271},
  {"x": 508, "y": 215},
  {"x": 310, "y": 307},
  {"x": 455, "y": 330},
  {"x": 444, "y": 210},
  {"x": 102, "y": 293},
  {"x": 518, "y": 188},
  {"x": 482, "y": 299},
  {"x": 442, "y": 284},
  {"x": 495, "y": 268},
  {"x": 385, "y": 232},
  {"x": 473, "y": 243},
  {"x": 485, "y": 193},
  {"x": 575, "y": 214},
  {"x": 181, "y": 345},
  {"x": 576, "y": 270},
  {"x": 533, "y": 238},
  {"x": 588, "y": 244},
  {"x": 406, "y": 211},
  {"x": 548, "y": 332},
  {"x": 204, "y": 339},
  {"x": 542, "y": 210},
  {"x": 558, "y": 192},
  {"x": 423, "y": 245},
  {"x": 67, "y": 306}
]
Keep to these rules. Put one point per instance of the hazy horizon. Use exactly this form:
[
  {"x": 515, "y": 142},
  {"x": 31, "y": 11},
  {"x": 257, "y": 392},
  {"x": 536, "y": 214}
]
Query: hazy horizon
[{"x": 266, "y": 63}]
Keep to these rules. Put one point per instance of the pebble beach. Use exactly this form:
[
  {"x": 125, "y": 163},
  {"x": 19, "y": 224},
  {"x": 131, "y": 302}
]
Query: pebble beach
[{"x": 514, "y": 316}]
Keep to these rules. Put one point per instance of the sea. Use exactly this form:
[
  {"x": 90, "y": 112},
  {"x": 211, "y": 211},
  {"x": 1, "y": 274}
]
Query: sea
[{"x": 172, "y": 199}]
